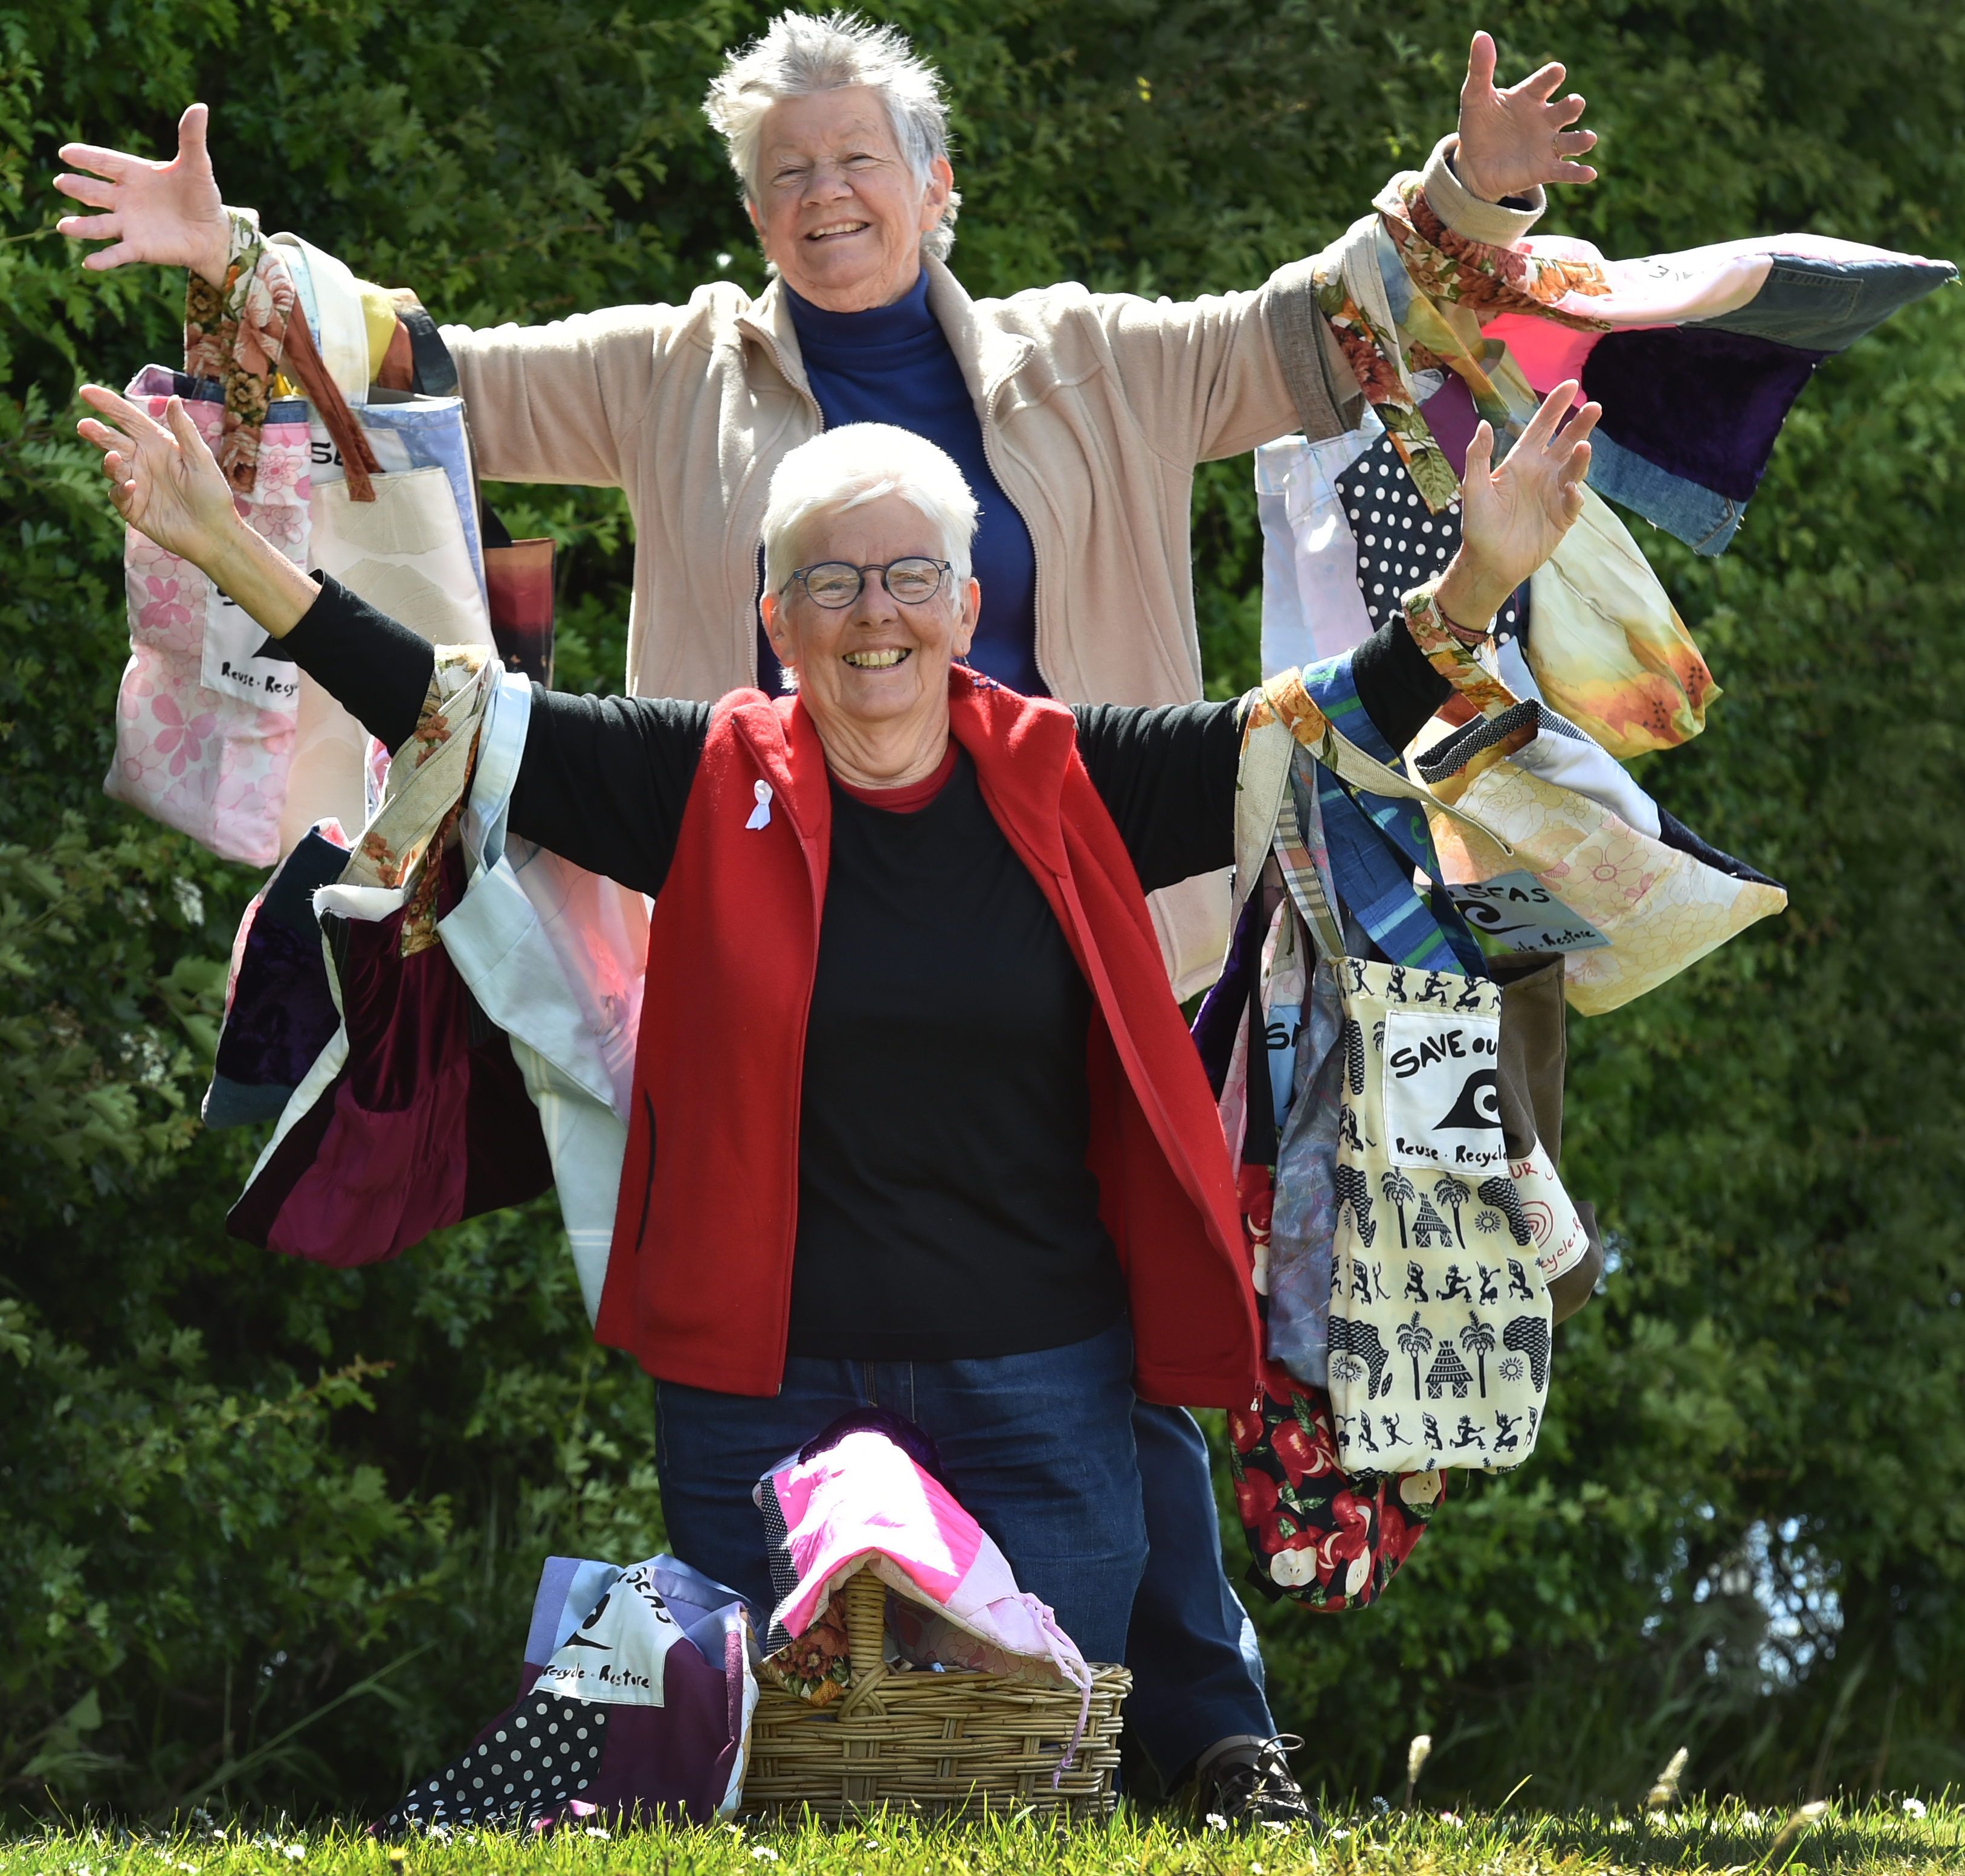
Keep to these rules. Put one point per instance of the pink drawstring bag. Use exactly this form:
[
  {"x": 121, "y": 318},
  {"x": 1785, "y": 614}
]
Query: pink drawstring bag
[
  {"x": 859, "y": 1499},
  {"x": 205, "y": 719}
]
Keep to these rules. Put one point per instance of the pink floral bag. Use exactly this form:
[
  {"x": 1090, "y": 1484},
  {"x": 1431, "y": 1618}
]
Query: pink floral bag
[{"x": 204, "y": 718}]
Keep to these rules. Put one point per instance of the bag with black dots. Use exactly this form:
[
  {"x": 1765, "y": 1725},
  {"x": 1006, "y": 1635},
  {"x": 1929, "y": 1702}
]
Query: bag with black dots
[{"x": 634, "y": 1705}]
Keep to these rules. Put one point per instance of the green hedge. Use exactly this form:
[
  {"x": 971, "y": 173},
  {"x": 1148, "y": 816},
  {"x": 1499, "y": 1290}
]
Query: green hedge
[{"x": 267, "y": 1533}]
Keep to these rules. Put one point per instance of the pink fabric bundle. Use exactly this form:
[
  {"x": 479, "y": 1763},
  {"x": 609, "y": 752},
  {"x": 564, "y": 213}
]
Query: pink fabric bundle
[{"x": 864, "y": 1502}]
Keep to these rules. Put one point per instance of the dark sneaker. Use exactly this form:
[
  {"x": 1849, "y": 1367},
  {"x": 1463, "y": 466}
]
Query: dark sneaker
[{"x": 1250, "y": 1785}]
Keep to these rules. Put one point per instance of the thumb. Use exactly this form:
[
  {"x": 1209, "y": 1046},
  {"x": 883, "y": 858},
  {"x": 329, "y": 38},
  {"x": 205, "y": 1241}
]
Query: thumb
[
  {"x": 1481, "y": 61},
  {"x": 191, "y": 137},
  {"x": 1480, "y": 457}
]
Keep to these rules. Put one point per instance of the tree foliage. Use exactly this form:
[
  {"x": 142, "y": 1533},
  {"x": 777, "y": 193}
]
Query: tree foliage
[{"x": 234, "y": 1490}]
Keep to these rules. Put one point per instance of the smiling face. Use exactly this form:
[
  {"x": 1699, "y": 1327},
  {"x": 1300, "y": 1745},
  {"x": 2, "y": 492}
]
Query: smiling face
[
  {"x": 839, "y": 210},
  {"x": 874, "y": 674}
]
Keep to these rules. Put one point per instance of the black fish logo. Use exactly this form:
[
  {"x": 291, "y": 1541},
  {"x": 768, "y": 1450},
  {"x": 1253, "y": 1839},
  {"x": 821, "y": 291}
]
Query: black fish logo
[{"x": 1479, "y": 1105}]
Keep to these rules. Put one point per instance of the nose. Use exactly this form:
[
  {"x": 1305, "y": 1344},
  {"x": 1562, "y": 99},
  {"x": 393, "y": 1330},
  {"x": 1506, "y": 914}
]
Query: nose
[
  {"x": 876, "y": 609},
  {"x": 829, "y": 181}
]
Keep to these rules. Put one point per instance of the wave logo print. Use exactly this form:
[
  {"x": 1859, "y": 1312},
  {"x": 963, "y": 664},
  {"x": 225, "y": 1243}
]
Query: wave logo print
[{"x": 1478, "y": 1104}]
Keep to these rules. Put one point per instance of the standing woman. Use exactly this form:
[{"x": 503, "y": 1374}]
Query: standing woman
[{"x": 1077, "y": 419}]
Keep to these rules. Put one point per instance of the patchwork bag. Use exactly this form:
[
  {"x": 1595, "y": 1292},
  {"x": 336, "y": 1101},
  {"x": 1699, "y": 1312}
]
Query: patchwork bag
[
  {"x": 1555, "y": 856},
  {"x": 634, "y": 1706},
  {"x": 1421, "y": 1227}
]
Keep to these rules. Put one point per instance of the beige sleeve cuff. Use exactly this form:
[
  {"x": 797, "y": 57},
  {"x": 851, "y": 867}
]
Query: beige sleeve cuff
[{"x": 1465, "y": 213}]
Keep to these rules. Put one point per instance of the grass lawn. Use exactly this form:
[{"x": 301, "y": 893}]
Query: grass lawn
[{"x": 1727, "y": 1841}]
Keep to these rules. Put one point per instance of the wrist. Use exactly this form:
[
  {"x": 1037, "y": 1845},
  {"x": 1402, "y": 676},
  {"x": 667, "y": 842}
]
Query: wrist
[
  {"x": 214, "y": 259},
  {"x": 1470, "y": 595}
]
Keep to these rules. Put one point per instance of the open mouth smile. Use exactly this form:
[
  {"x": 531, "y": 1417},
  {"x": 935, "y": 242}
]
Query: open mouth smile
[
  {"x": 833, "y": 230},
  {"x": 885, "y": 659}
]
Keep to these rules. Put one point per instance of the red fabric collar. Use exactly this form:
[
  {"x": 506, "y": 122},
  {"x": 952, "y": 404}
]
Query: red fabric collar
[{"x": 911, "y": 799}]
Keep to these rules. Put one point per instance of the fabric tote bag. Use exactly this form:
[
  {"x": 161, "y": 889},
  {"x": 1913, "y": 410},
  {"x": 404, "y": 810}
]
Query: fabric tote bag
[{"x": 1439, "y": 1317}]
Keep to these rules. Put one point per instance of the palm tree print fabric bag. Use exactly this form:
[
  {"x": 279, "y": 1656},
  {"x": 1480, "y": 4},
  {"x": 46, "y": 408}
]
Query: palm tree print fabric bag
[
  {"x": 1440, "y": 1331},
  {"x": 1438, "y": 1325}
]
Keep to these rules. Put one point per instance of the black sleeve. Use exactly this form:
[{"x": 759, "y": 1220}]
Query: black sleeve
[
  {"x": 604, "y": 781},
  {"x": 378, "y": 670},
  {"x": 1399, "y": 688},
  {"x": 1166, "y": 774}
]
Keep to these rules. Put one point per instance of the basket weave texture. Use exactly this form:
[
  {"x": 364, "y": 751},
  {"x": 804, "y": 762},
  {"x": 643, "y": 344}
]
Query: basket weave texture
[{"x": 946, "y": 1745}]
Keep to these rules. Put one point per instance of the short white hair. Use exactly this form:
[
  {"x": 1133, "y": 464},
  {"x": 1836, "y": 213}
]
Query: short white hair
[
  {"x": 798, "y": 55},
  {"x": 841, "y": 470}
]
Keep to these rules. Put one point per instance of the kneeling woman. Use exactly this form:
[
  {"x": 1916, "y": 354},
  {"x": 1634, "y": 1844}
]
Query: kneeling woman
[{"x": 916, "y": 1123}]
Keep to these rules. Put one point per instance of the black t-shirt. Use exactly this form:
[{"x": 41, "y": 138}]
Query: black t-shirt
[{"x": 945, "y": 1210}]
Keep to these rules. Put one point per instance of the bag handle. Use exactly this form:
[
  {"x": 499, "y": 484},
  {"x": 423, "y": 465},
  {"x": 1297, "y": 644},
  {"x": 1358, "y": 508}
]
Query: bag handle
[{"x": 357, "y": 459}]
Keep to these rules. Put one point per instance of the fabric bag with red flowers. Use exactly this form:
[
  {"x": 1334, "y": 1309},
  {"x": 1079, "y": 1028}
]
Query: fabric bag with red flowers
[{"x": 1318, "y": 1536}]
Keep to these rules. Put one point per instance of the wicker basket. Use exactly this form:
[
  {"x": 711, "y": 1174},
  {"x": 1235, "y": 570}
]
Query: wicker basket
[{"x": 944, "y": 1745}]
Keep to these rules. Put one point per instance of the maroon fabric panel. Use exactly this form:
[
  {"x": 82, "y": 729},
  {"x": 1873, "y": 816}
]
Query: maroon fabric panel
[
  {"x": 255, "y": 1210},
  {"x": 421, "y": 1129}
]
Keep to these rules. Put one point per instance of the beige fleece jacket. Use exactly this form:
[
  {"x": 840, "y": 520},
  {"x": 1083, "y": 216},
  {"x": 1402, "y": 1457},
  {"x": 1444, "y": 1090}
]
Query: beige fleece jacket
[{"x": 1094, "y": 410}]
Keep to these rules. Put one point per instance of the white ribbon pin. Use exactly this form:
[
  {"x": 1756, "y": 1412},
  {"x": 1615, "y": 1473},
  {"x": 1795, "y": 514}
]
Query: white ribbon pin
[{"x": 760, "y": 815}]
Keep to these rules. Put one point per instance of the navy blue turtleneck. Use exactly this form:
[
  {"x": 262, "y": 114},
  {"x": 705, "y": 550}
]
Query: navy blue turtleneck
[{"x": 893, "y": 366}]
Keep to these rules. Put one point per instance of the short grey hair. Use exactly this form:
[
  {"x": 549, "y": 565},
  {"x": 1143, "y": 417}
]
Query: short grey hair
[
  {"x": 798, "y": 56},
  {"x": 840, "y": 469}
]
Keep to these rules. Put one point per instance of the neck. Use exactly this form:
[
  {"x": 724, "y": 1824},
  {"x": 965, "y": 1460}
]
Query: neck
[
  {"x": 867, "y": 296},
  {"x": 889, "y": 755}
]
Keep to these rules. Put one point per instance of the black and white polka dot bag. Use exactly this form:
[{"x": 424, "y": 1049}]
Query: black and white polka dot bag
[{"x": 635, "y": 1702}]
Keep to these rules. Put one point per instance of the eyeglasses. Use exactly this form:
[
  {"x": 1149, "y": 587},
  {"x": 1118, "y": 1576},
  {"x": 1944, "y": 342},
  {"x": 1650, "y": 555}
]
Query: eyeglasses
[{"x": 914, "y": 580}]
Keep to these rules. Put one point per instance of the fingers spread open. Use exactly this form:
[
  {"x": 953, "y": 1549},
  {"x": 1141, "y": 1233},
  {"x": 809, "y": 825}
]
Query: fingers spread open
[
  {"x": 1541, "y": 426},
  {"x": 111, "y": 163},
  {"x": 1539, "y": 85},
  {"x": 89, "y": 227},
  {"x": 91, "y": 191},
  {"x": 132, "y": 421}
]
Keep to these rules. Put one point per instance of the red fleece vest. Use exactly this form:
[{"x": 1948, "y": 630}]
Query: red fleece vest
[{"x": 700, "y": 1277}]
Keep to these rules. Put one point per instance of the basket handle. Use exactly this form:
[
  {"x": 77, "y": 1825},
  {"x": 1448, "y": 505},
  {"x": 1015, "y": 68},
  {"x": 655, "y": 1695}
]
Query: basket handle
[{"x": 866, "y": 1631}]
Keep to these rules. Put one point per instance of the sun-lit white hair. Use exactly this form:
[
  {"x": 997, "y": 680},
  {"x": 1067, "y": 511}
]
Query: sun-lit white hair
[
  {"x": 841, "y": 470},
  {"x": 798, "y": 55}
]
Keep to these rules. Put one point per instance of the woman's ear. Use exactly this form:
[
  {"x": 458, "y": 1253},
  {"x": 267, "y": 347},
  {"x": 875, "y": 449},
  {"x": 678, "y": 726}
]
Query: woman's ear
[
  {"x": 777, "y": 629},
  {"x": 941, "y": 184},
  {"x": 965, "y": 626}
]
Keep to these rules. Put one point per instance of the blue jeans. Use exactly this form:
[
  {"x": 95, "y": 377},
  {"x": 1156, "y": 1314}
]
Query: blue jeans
[{"x": 1057, "y": 1460}]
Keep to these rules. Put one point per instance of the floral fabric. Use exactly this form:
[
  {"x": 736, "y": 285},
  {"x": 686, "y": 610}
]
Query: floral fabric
[
  {"x": 1319, "y": 1538},
  {"x": 817, "y": 1667},
  {"x": 395, "y": 848},
  {"x": 236, "y": 334}
]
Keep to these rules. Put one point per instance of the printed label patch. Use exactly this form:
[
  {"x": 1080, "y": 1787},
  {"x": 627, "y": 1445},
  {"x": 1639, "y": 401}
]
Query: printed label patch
[
  {"x": 234, "y": 662},
  {"x": 1517, "y": 911},
  {"x": 1443, "y": 1097},
  {"x": 616, "y": 1656}
]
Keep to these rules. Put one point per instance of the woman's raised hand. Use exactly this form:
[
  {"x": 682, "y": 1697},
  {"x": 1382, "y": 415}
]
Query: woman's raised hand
[
  {"x": 1512, "y": 519},
  {"x": 1510, "y": 141},
  {"x": 168, "y": 213},
  {"x": 164, "y": 481}
]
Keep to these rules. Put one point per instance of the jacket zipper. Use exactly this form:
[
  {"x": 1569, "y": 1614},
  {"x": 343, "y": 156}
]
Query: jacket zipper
[{"x": 1036, "y": 558}]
